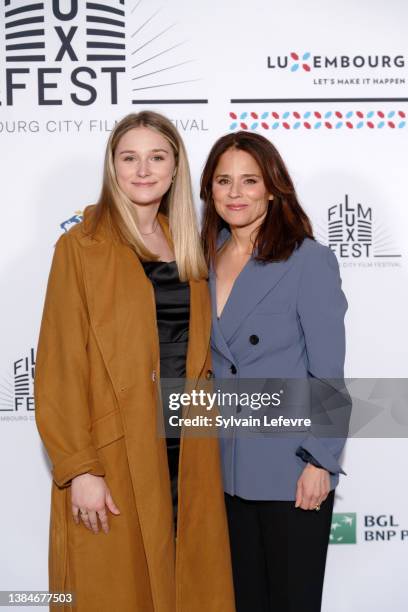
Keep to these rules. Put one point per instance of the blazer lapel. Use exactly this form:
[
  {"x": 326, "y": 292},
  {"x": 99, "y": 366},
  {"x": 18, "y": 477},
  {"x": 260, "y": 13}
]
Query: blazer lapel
[
  {"x": 217, "y": 337},
  {"x": 254, "y": 282},
  {"x": 250, "y": 287}
]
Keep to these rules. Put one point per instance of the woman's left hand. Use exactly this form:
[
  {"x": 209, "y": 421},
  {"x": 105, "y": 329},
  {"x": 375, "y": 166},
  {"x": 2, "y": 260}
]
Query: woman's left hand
[{"x": 312, "y": 488}]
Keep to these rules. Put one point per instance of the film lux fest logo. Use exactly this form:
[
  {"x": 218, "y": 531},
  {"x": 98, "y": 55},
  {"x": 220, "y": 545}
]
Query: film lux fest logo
[
  {"x": 352, "y": 233},
  {"x": 17, "y": 389},
  {"x": 27, "y": 47}
]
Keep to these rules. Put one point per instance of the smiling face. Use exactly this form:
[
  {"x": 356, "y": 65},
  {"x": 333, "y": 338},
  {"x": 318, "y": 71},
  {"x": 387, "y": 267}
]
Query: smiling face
[
  {"x": 144, "y": 164},
  {"x": 238, "y": 189}
]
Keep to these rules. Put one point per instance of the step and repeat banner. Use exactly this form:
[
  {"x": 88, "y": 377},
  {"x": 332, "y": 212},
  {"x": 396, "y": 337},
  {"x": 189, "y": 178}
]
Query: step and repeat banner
[{"x": 327, "y": 83}]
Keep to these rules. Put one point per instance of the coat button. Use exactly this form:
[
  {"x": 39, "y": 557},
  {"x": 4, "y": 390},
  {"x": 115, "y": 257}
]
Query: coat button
[
  {"x": 233, "y": 369},
  {"x": 154, "y": 375},
  {"x": 209, "y": 374},
  {"x": 254, "y": 339}
]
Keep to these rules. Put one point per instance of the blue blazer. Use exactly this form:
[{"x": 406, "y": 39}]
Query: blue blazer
[{"x": 281, "y": 320}]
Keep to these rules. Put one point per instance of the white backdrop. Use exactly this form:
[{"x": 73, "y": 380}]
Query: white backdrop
[{"x": 336, "y": 109}]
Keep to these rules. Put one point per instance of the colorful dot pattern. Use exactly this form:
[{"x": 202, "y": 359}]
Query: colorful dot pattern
[{"x": 316, "y": 120}]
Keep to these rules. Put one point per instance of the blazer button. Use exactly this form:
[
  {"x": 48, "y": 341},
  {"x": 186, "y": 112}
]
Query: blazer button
[
  {"x": 254, "y": 339},
  {"x": 154, "y": 375},
  {"x": 209, "y": 374},
  {"x": 233, "y": 369}
]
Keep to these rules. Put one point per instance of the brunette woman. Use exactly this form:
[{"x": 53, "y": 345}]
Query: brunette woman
[{"x": 278, "y": 313}]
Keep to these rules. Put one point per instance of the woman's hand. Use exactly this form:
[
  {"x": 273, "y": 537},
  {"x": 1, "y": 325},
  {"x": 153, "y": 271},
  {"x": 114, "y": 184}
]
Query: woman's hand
[
  {"x": 312, "y": 488},
  {"x": 89, "y": 497}
]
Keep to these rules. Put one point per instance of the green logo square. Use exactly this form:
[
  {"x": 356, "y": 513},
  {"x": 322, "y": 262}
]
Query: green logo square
[{"x": 343, "y": 528}]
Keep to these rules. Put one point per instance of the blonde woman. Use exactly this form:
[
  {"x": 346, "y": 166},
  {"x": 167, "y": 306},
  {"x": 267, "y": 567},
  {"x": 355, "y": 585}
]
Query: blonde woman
[{"x": 126, "y": 303}]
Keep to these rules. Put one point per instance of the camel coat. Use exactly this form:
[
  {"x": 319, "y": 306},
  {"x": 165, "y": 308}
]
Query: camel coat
[{"x": 96, "y": 394}]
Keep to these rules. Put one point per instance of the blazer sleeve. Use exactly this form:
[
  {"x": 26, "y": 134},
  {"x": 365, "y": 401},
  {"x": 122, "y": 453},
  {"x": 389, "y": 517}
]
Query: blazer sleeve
[
  {"x": 61, "y": 374},
  {"x": 321, "y": 308}
]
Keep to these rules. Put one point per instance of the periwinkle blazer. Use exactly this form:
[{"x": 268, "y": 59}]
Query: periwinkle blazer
[{"x": 281, "y": 320}]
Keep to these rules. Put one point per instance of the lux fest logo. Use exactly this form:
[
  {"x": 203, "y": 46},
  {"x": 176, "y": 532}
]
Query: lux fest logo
[
  {"x": 351, "y": 233},
  {"x": 380, "y": 528},
  {"x": 17, "y": 390},
  {"x": 76, "y": 51}
]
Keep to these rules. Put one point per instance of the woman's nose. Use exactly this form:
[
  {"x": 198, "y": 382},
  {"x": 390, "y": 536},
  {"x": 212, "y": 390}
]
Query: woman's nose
[
  {"x": 143, "y": 168},
  {"x": 234, "y": 190}
]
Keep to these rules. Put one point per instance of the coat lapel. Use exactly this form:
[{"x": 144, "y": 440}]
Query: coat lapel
[{"x": 122, "y": 309}]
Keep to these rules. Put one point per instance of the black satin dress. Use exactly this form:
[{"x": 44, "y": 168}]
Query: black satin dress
[{"x": 173, "y": 316}]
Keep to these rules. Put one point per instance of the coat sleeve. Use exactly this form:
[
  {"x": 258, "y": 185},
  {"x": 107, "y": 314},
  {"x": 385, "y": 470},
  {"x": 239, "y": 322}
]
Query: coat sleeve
[
  {"x": 61, "y": 375},
  {"x": 321, "y": 308}
]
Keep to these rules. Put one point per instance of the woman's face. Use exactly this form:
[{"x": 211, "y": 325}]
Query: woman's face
[
  {"x": 144, "y": 164},
  {"x": 238, "y": 190}
]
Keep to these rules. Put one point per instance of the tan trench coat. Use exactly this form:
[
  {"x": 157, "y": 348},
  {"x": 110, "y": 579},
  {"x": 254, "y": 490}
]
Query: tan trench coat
[{"x": 96, "y": 389}]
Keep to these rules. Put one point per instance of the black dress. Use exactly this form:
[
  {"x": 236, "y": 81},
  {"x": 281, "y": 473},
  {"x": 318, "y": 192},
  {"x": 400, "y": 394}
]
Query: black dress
[{"x": 173, "y": 316}]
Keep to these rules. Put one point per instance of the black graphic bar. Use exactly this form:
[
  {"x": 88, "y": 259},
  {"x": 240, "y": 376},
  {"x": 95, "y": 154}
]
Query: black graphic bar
[
  {"x": 311, "y": 100},
  {"x": 173, "y": 101},
  {"x": 102, "y": 7},
  {"x": 20, "y": 22},
  {"x": 105, "y": 45},
  {"x": 93, "y": 32},
  {"x": 25, "y": 58},
  {"x": 24, "y": 9},
  {"x": 25, "y": 33},
  {"x": 105, "y": 20},
  {"x": 35, "y": 45},
  {"x": 105, "y": 58}
]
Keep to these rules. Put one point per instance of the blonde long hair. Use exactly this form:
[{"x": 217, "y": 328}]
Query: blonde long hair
[{"x": 115, "y": 208}]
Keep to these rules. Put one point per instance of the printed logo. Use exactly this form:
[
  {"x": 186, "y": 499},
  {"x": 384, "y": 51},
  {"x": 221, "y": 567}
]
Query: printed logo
[
  {"x": 383, "y": 528},
  {"x": 17, "y": 388},
  {"x": 359, "y": 67},
  {"x": 343, "y": 528},
  {"x": 77, "y": 52},
  {"x": 74, "y": 220},
  {"x": 353, "y": 234},
  {"x": 293, "y": 61}
]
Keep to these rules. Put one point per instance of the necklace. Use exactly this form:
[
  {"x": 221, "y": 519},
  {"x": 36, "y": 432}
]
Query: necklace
[{"x": 150, "y": 233}]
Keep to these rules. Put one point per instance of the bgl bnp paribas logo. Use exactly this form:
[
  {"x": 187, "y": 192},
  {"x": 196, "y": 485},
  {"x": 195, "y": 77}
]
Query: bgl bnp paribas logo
[
  {"x": 74, "y": 52},
  {"x": 354, "y": 233}
]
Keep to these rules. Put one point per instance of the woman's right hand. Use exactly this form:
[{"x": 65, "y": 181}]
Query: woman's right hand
[{"x": 89, "y": 498}]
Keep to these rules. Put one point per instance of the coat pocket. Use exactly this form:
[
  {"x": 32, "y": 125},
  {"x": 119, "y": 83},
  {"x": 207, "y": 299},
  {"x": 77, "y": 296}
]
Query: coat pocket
[{"x": 107, "y": 429}]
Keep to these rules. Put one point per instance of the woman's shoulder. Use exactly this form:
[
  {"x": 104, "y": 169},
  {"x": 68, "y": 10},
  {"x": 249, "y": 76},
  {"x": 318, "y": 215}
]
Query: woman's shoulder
[
  {"x": 317, "y": 257},
  {"x": 82, "y": 232},
  {"x": 313, "y": 249}
]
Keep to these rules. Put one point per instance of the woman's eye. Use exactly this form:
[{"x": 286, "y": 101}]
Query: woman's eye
[
  {"x": 222, "y": 181},
  {"x": 128, "y": 158},
  {"x": 250, "y": 181},
  {"x": 158, "y": 158}
]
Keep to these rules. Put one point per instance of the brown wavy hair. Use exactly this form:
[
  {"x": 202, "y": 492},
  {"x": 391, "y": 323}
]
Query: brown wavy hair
[{"x": 286, "y": 224}]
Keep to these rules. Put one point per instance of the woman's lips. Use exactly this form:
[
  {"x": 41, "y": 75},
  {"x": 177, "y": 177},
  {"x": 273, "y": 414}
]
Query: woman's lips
[
  {"x": 143, "y": 184},
  {"x": 236, "y": 207}
]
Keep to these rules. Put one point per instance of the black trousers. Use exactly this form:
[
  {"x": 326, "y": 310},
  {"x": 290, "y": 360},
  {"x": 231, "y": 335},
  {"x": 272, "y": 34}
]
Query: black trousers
[{"x": 278, "y": 554}]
